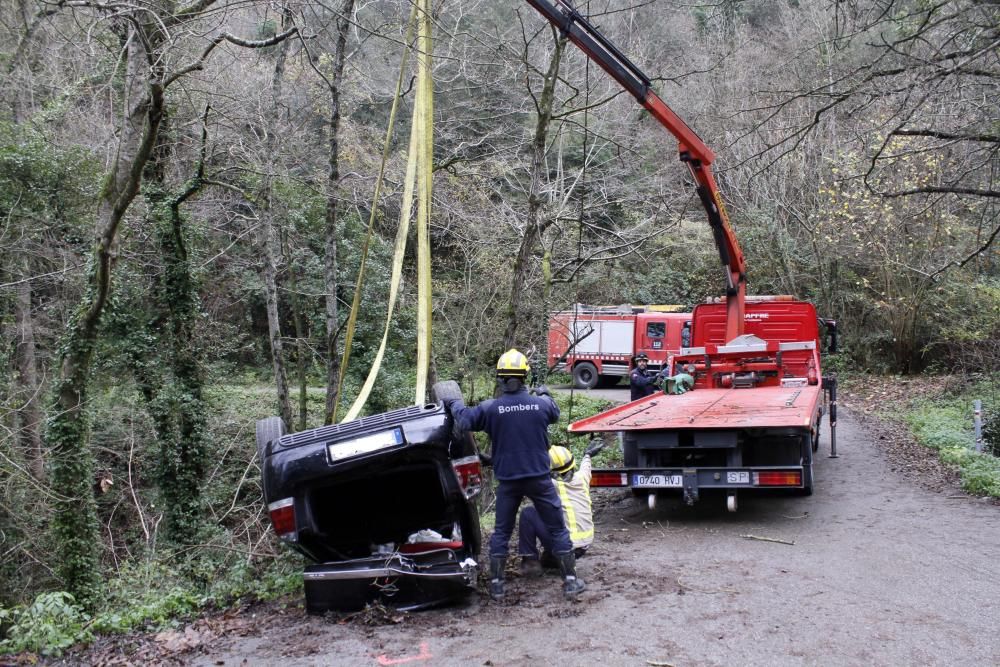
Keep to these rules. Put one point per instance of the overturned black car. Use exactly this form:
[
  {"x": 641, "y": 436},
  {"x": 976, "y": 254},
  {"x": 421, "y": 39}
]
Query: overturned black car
[{"x": 383, "y": 506}]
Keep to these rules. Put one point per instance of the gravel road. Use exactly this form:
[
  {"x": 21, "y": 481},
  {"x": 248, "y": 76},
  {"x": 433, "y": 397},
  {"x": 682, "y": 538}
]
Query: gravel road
[{"x": 881, "y": 571}]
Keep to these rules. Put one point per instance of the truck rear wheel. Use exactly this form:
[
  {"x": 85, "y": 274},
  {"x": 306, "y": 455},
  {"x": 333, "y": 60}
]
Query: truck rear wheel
[
  {"x": 268, "y": 429},
  {"x": 585, "y": 375}
]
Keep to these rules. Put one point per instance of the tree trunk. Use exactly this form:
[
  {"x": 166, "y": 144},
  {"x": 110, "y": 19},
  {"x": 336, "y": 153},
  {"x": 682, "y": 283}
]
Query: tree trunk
[
  {"x": 272, "y": 249},
  {"x": 29, "y": 414},
  {"x": 184, "y": 457},
  {"x": 75, "y": 523},
  {"x": 274, "y": 324},
  {"x": 333, "y": 192},
  {"x": 301, "y": 349},
  {"x": 173, "y": 392},
  {"x": 535, "y": 226}
]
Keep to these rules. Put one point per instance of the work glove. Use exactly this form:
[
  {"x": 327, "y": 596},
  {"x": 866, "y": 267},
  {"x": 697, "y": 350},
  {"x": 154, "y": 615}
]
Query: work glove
[
  {"x": 450, "y": 404},
  {"x": 541, "y": 390},
  {"x": 485, "y": 459},
  {"x": 594, "y": 447}
]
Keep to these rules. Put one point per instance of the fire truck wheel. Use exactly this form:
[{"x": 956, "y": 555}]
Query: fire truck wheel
[
  {"x": 585, "y": 375},
  {"x": 268, "y": 429}
]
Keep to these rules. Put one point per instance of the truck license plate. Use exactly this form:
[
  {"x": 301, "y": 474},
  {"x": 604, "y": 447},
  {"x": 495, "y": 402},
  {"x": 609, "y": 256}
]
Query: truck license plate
[{"x": 657, "y": 481}]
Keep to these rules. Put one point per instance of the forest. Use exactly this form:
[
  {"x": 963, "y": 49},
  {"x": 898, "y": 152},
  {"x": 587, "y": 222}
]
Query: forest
[{"x": 188, "y": 196}]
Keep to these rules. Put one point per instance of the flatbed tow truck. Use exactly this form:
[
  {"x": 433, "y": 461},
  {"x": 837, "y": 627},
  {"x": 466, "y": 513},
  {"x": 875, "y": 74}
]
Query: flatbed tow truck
[{"x": 752, "y": 418}]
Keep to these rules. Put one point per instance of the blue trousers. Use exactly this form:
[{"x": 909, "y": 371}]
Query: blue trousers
[{"x": 542, "y": 493}]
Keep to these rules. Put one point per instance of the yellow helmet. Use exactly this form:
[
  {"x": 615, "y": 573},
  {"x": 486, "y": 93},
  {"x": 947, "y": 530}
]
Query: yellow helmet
[
  {"x": 561, "y": 459},
  {"x": 512, "y": 364}
]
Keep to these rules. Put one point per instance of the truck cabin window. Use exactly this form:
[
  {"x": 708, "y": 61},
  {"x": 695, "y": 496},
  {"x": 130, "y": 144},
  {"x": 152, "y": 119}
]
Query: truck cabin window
[{"x": 656, "y": 329}]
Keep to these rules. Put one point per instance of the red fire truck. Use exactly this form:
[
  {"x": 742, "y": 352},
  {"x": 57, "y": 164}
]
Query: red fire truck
[{"x": 597, "y": 343}]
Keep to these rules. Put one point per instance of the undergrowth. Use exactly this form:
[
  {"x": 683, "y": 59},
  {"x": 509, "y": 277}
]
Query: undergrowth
[
  {"x": 945, "y": 424},
  {"x": 150, "y": 596}
]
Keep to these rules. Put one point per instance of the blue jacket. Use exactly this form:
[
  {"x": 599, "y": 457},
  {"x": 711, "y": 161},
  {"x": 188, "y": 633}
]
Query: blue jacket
[
  {"x": 517, "y": 424},
  {"x": 640, "y": 384}
]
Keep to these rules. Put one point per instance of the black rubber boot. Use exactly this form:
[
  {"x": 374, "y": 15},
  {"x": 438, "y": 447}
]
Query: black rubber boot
[
  {"x": 497, "y": 566},
  {"x": 572, "y": 584}
]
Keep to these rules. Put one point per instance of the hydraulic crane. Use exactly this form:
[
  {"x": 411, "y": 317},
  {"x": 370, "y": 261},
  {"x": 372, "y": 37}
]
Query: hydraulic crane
[
  {"x": 693, "y": 152},
  {"x": 752, "y": 420}
]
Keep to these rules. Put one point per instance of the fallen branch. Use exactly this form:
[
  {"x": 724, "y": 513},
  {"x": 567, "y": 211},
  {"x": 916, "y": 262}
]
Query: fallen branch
[{"x": 767, "y": 539}]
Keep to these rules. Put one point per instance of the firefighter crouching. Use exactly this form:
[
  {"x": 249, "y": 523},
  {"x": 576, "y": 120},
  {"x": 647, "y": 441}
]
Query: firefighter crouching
[
  {"x": 517, "y": 424},
  {"x": 573, "y": 487}
]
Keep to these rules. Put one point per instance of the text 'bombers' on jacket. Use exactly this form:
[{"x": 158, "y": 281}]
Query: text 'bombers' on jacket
[{"x": 517, "y": 424}]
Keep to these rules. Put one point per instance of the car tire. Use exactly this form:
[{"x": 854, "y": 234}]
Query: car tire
[
  {"x": 585, "y": 375},
  {"x": 268, "y": 429},
  {"x": 462, "y": 439}
]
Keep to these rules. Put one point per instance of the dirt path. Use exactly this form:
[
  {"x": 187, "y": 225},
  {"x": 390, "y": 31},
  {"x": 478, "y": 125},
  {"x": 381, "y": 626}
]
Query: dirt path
[{"x": 882, "y": 572}]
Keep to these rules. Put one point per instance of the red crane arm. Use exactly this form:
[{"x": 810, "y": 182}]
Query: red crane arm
[{"x": 693, "y": 151}]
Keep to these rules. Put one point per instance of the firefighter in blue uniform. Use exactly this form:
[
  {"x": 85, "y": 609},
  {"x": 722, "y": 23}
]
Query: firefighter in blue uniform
[
  {"x": 517, "y": 423},
  {"x": 639, "y": 380}
]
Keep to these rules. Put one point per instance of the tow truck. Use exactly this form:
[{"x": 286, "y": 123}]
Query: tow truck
[{"x": 752, "y": 418}]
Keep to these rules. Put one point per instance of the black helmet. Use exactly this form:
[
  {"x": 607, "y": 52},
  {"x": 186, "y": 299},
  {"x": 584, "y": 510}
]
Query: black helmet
[{"x": 641, "y": 357}]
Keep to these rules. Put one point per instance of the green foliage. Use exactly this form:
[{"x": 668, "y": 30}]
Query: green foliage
[
  {"x": 145, "y": 595},
  {"x": 991, "y": 434},
  {"x": 39, "y": 180},
  {"x": 49, "y": 625},
  {"x": 945, "y": 424},
  {"x": 75, "y": 525}
]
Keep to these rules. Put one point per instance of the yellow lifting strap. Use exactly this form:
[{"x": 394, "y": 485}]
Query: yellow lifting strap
[
  {"x": 419, "y": 177},
  {"x": 352, "y": 318},
  {"x": 425, "y": 176}
]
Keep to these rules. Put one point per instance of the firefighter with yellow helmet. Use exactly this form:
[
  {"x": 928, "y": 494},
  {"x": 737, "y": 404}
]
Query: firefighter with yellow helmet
[
  {"x": 517, "y": 423},
  {"x": 573, "y": 487}
]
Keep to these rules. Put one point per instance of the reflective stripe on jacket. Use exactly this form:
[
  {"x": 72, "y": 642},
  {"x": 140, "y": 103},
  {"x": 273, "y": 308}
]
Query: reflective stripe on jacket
[{"x": 575, "y": 496}]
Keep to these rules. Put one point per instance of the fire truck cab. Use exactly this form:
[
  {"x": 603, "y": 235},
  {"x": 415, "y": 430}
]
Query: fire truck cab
[{"x": 597, "y": 344}]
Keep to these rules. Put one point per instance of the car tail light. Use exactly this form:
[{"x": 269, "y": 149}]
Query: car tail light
[
  {"x": 778, "y": 478},
  {"x": 609, "y": 479},
  {"x": 469, "y": 474},
  {"x": 283, "y": 518}
]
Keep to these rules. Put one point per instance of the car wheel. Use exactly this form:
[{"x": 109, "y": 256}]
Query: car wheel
[
  {"x": 585, "y": 375},
  {"x": 449, "y": 390},
  {"x": 268, "y": 429}
]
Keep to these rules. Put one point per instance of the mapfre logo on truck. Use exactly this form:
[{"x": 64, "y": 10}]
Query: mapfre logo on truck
[{"x": 750, "y": 317}]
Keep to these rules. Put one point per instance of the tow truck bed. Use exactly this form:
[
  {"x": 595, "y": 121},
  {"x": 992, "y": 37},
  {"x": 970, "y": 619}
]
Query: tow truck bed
[{"x": 761, "y": 407}]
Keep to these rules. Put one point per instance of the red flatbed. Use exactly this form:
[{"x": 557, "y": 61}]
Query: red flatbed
[{"x": 760, "y": 407}]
